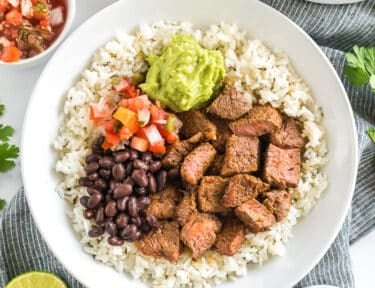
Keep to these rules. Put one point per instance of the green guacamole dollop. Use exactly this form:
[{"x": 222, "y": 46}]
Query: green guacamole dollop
[{"x": 185, "y": 75}]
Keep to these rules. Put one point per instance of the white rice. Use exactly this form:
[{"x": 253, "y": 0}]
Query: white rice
[{"x": 251, "y": 66}]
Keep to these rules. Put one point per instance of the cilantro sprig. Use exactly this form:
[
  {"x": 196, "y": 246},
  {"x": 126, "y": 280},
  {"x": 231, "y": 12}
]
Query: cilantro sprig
[{"x": 360, "y": 67}]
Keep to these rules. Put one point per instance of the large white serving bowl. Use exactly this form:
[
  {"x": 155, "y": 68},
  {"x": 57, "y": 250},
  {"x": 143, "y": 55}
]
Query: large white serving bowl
[{"x": 312, "y": 236}]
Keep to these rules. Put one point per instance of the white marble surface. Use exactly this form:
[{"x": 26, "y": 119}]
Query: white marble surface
[{"x": 16, "y": 88}]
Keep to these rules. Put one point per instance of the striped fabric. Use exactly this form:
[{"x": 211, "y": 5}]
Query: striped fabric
[{"x": 336, "y": 29}]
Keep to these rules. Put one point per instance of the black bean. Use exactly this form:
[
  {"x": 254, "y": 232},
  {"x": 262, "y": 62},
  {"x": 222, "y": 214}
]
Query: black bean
[
  {"x": 83, "y": 200},
  {"x": 92, "y": 158},
  {"x": 122, "y": 203},
  {"x": 97, "y": 149},
  {"x": 143, "y": 202},
  {"x": 85, "y": 182},
  {"x": 111, "y": 228},
  {"x": 145, "y": 228},
  {"x": 106, "y": 162},
  {"x": 100, "y": 184},
  {"x": 161, "y": 179},
  {"x": 113, "y": 184},
  {"x": 152, "y": 185},
  {"x": 92, "y": 191},
  {"x": 105, "y": 173},
  {"x": 136, "y": 221},
  {"x": 115, "y": 241},
  {"x": 129, "y": 181},
  {"x": 157, "y": 156},
  {"x": 122, "y": 220},
  {"x": 95, "y": 231},
  {"x": 93, "y": 176},
  {"x": 140, "y": 177},
  {"x": 99, "y": 217},
  {"x": 108, "y": 197},
  {"x": 100, "y": 140},
  {"x": 152, "y": 221},
  {"x": 129, "y": 168},
  {"x": 147, "y": 157},
  {"x": 137, "y": 236},
  {"x": 118, "y": 172},
  {"x": 88, "y": 214},
  {"x": 173, "y": 173},
  {"x": 121, "y": 156},
  {"x": 128, "y": 232},
  {"x": 141, "y": 191},
  {"x": 139, "y": 164},
  {"x": 92, "y": 167},
  {"x": 94, "y": 201},
  {"x": 154, "y": 166},
  {"x": 110, "y": 209},
  {"x": 122, "y": 190},
  {"x": 133, "y": 207},
  {"x": 133, "y": 154}
]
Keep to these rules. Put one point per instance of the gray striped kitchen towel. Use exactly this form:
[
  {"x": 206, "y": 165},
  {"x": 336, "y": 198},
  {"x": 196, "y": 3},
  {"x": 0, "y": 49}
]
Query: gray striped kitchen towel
[{"x": 336, "y": 29}]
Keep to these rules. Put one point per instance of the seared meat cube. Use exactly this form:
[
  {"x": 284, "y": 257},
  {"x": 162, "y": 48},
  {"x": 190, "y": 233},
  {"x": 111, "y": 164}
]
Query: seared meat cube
[
  {"x": 163, "y": 242},
  {"x": 231, "y": 104},
  {"x": 289, "y": 136},
  {"x": 178, "y": 151},
  {"x": 222, "y": 134},
  {"x": 199, "y": 233},
  {"x": 163, "y": 204},
  {"x": 210, "y": 194},
  {"x": 241, "y": 155},
  {"x": 231, "y": 237},
  {"x": 278, "y": 202},
  {"x": 216, "y": 165},
  {"x": 282, "y": 166},
  {"x": 195, "y": 122},
  {"x": 186, "y": 208},
  {"x": 260, "y": 120},
  {"x": 241, "y": 188},
  {"x": 255, "y": 216},
  {"x": 197, "y": 162}
]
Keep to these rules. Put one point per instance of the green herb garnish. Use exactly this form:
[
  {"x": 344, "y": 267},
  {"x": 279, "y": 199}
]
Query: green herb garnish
[
  {"x": 6, "y": 132},
  {"x": 360, "y": 68},
  {"x": 371, "y": 133},
  {"x": 2, "y": 204},
  {"x": 115, "y": 80}
]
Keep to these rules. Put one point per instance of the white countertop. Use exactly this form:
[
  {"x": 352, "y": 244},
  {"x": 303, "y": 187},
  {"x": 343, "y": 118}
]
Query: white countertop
[{"x": 16, "y": 88}]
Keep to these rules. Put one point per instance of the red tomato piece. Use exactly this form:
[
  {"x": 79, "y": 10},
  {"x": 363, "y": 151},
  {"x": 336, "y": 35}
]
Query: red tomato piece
[
  {"x": 158, "y": 115},
  {"x": 120, "y": 87},
  {"x": 111, "y": 139},
  {"x": 3, "y": 5},
  {"x": 158, "y": 148},
  {"x": 14, "y": 17},
  {"x": 139, "y": 144},
  {"x": 10, "y": 54},
  {"x": 137, "y": 103},
  {"x": 170, "y": 137}
]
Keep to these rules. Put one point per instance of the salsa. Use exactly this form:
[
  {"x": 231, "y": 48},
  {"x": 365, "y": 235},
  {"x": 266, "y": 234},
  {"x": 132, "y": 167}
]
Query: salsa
[{"x": 29, "y": 27}]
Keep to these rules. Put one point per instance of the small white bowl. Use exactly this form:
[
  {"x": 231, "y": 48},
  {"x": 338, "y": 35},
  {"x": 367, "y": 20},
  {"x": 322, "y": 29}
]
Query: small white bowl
[{"x": 42, "y": 57}]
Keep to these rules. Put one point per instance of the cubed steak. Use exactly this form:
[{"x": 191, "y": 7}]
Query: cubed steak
[
  {"x": 241, "y": 155},
  {"x": 282, "y": 166},
  {"x": 178, "y": 151},
  {"x": 163, "y": 242},
  {"x": 197, "y": 162},
  {"x": 187, "y": 207},
  {"x": 241, "y": 188},
  {"x": 210, "y": 194},
  {"x": 278, "y": 202},
  {"x": 231, "y": 237},
  {"x": 195, "y": 122},
  {"x": 231, "y": 104},
  {"x": 199, "y": 233},
  {"x": 255, "y": 216},
  {"x": 163, "y": 204},
  {"x": 222, "y": 133},
  {"x": 261, "y": 119},
  {"x": 289, "y": 136},
  {"x": 216, "y": 165}
]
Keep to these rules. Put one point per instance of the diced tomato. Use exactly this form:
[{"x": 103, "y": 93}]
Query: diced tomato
[
  {"x": 100, "y": 112},
  {"x": 128, "y": 118},
  {"x": 124, "y": 133},
  {"x": 153, "y": 135},
  {"x": 158, "y": 115},
  {"x": 120, "y": 87},
  {"x": 3, "y": 5},
  {"x": 158, "y": 148},
  {"x": 139, "y": 144},
  {"x": 14, "y": 17},
  {"x": 136, "y": 104},
  {"x": 10, "y": 54},
  {"x": 44, "y": 24},
  {"x": 170, "y": 137},
  {"x": 109, "y": 126},
  {"x": 111, "y": 139}
]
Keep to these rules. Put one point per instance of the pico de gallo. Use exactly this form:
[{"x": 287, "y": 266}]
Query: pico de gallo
[
  {"x": 144, "y": 124},
  {"x": 28, "y": 27}
]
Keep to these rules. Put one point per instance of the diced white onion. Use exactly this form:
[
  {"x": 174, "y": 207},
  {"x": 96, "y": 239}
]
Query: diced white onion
[
  {"x": 27, "y": 8},
  {"x": 56, "y": 16},
  {"x": 14, "y": 3}
]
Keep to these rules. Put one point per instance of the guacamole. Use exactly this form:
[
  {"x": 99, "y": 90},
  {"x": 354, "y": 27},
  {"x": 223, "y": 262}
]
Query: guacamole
[{"x": 185, "y": 75}]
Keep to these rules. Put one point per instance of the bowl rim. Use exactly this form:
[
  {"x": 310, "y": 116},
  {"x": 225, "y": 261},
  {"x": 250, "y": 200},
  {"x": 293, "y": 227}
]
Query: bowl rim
[
  {"x": 341, "y": 217},
  {"x": 71, "y": 11}
]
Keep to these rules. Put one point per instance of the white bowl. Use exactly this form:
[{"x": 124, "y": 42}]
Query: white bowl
[
  {"x": 42, "y": 57},
  {"x": 312, "y": 235}
]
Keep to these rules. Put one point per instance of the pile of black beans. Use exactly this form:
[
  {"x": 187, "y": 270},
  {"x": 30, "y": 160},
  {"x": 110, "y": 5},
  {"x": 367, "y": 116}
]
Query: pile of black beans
[{"x": 119, "y": 184}]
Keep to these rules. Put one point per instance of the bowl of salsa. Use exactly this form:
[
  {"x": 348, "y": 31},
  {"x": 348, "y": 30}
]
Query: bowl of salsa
[{"x": 31, "y": 29}]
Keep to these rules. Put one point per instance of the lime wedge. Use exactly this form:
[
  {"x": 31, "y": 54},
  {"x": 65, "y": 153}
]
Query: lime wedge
[{"x": 36, "y": 279}]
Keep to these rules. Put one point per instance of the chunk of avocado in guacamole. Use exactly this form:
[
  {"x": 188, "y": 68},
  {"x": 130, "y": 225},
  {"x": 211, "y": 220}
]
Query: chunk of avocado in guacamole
[{"x": 185, "y": 75}]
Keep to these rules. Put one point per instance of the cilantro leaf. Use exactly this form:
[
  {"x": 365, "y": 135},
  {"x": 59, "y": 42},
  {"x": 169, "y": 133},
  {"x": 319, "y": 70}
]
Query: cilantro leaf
[
  {"x": 5, "y": 132},
  {"x": 2, "y": 204},
  {"x": 8, "y": 153},
  {"x": 371, "y": 133},
  {"x": 360, "y": 68},
  {"x": 2, "y": 108}
]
